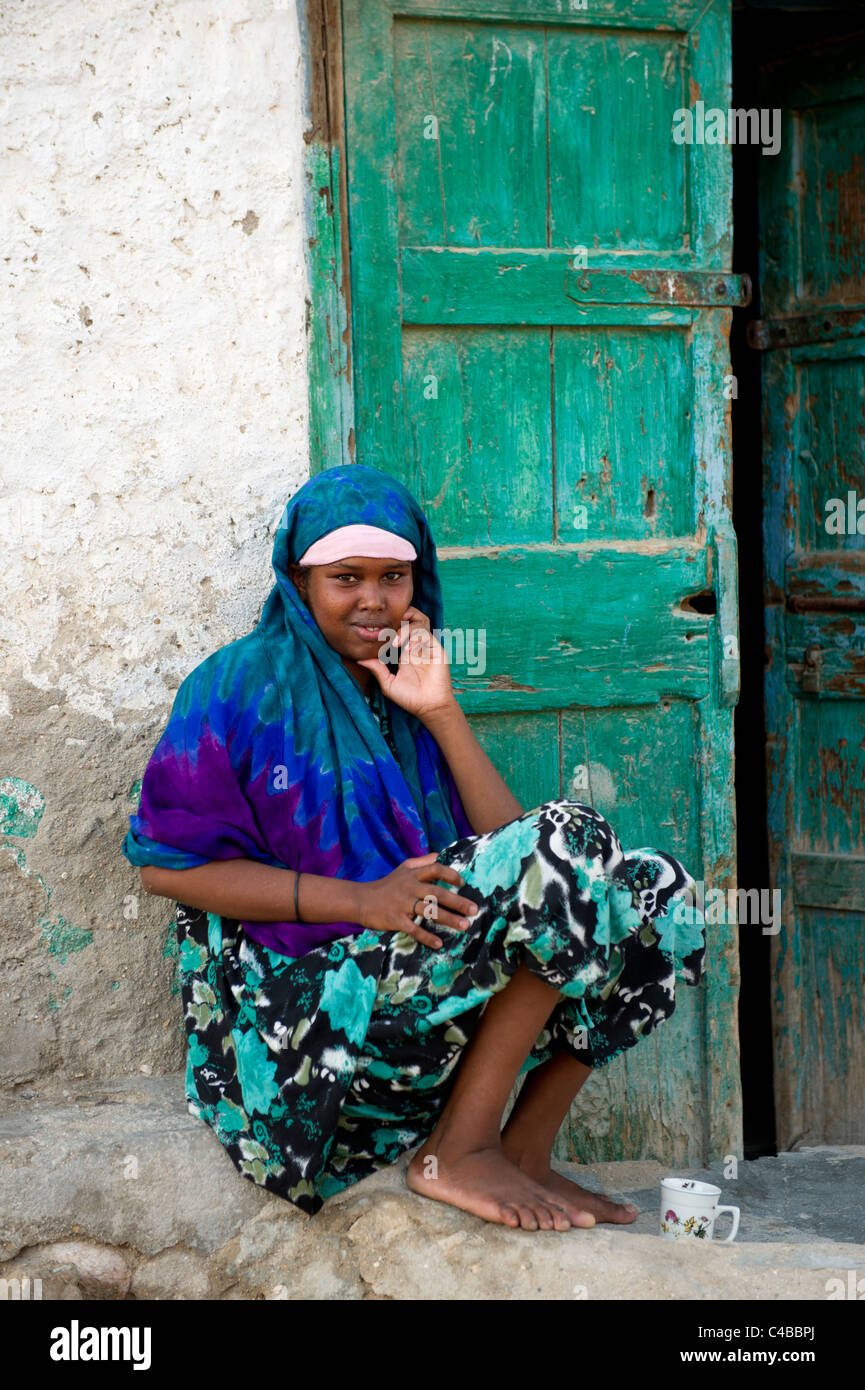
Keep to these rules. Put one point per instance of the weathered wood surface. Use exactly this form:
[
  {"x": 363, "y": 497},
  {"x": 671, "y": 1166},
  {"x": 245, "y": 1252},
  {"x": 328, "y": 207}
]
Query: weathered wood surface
[
  {"x": 571, "y": 626},
  {"x": 813, "y": 261},
  {"x": 328, "y": 339}
]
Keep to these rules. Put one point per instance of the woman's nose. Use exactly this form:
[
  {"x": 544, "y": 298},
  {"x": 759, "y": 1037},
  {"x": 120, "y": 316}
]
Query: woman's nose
[{"x": 371, "y": 600}]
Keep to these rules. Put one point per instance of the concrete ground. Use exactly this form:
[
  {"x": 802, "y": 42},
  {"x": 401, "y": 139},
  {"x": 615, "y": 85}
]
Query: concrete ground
[{"x": 119, "y": 1193}]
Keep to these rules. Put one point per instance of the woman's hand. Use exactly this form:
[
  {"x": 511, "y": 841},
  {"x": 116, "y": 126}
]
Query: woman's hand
[
  {"x": 422, "y": 683},
  {"x": 391, "y": 903}
]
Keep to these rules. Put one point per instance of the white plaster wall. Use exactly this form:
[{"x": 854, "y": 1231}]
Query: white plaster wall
[
  {"x": 153, "y": 354},
  {"x": 153, "y": 423}
]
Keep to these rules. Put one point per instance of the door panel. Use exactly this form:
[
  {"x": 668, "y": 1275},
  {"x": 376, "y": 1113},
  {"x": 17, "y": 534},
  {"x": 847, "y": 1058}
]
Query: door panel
[
  {"x": 813, "y": 302},
  {"x": 541, "y": 305},
  {"x": 615, "y": 387}
]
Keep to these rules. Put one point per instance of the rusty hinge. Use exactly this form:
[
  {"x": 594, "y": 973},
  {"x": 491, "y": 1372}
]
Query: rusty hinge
[
  {"x": 812, "y": 670},
  {"x": 642, "y": 285},
  {"x": 826, "y": 603},
  {"x": 829, "y": 325}
]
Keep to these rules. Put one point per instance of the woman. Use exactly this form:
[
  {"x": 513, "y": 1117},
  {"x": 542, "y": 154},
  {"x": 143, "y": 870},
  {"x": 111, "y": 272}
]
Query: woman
[{"x": 375, "y": 938}]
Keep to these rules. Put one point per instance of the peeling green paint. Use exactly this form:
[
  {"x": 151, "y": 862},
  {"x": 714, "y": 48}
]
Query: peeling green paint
[
  {"x": 134, "y": 793},
  {"x": 62, "y": 938},
  {"x": 21, "y": 810},
  {"x": 171, "y": 951},
  {"x": 52, "y": 1002},
  {"x": 21, "y": 807}
]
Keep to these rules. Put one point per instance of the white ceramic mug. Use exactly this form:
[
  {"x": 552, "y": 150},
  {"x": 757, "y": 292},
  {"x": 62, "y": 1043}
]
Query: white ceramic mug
[{"x": 689, "y": 1208}]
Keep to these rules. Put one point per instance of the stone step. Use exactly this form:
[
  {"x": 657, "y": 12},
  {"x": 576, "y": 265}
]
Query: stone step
[{"x": 120, "y": 1193}]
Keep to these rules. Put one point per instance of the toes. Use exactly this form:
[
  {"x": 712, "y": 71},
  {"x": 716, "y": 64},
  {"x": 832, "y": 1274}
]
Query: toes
[
  {"x": 618, "y": 1211},
  {"x": 510, "y": 1216},
  {"x": 625, "y": 1213},
  {"x": 560, "y": 1219},
  {"x": 545, "y": 1218},
  {"x": 528, "y": 1220},
  {"x": 580, "y": 1218}
]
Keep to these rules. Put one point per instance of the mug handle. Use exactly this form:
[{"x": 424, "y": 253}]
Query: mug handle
[{"x": 725, "y": 1240}]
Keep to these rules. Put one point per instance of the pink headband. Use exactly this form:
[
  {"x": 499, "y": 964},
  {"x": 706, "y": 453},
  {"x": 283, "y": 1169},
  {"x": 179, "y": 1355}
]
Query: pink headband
[{"x": 371, "y": 541}]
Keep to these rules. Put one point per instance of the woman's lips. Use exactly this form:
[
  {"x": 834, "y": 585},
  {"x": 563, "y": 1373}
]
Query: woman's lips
[{"x": 370, "y": 634}]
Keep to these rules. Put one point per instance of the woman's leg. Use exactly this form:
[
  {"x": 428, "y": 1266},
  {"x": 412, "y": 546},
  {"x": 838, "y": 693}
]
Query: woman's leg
[
  {"x": 555, "y": 887},
  {"x": 462, "y": 1163},
  {"x": 534, "y": 1122}
]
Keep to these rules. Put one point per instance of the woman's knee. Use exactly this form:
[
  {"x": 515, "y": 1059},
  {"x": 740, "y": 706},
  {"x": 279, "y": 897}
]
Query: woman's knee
[{"x": 565, "y": 809}]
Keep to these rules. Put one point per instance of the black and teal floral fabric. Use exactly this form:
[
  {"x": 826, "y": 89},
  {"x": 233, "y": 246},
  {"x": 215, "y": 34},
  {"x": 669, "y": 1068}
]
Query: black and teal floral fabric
[{"x": 317, "y": 1070}]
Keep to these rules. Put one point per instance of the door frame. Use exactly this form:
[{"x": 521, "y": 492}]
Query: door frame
[{"x": 326, "y": 239}]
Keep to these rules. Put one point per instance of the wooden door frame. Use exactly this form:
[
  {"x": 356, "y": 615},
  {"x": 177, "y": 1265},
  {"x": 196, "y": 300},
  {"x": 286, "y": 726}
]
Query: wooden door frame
[{"x": 326, "y": 240}]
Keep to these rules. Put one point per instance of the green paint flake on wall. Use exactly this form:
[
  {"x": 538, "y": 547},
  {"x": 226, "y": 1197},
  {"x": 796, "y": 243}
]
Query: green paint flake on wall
[
  {"x": 21, "y": 807},
  {"x": 21, "y": 810},
  {"x": 62, "y": 938},
  {"x": 171, "y": 951},
  {"x": 52, "y": 1002},
  {"x": 134, "y": 793}
]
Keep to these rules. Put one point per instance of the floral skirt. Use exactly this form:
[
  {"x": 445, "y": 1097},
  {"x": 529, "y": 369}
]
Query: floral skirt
[{"x": 315, "y": 1071}]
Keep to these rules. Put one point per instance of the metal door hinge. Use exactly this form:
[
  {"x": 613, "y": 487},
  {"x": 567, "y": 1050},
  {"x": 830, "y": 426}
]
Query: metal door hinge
[
  {"x": 826, "y": 603},
  {"x": 812, "y": 671},
  {"x": 643, "y": 285},
  {"x": 828, "y": 325}
]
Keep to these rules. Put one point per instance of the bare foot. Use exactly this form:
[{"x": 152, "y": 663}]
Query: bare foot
[
  {"x": 484, "y": 1183},
  {"x": 603, "y": 1208},
  {"x": 573, "y": 1197}
]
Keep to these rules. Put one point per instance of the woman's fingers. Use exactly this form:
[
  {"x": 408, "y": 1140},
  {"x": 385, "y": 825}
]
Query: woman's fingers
[
  {"x": 416, "y": 642},
  {"x": 443, "y": 871},
  {"x": 452, "y": 903},
  {"x": 415, "y": 618},
  {"x": 412, "y": 620},
  {"x": 435, "y": 901},
  {"x": 446, "y": 912},
  {"x": 451, "y": 909},
  {"x": 422, "y": 935},
  {"x": 429, "y": 869},
  {"x": 423, "y": 649}
]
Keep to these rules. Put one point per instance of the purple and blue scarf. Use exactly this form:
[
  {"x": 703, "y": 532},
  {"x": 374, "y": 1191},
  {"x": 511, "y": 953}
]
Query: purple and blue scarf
[{"x": 272, "y": 752}]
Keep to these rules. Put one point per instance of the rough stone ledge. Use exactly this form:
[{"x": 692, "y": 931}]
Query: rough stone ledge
[{"x": 122, "y": 1194}]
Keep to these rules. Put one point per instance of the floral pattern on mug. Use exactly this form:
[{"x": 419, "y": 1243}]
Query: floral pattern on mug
[{"x": 690, "y": 1226}]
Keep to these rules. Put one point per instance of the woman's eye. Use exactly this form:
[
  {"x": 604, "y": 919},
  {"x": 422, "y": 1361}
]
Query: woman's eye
[{"x": 395, "y": 575}]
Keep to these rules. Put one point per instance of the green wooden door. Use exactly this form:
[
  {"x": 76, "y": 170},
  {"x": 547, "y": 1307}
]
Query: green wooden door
[
  {"x": 558, "y": 406},
  {"x": 812, "y": 275}
]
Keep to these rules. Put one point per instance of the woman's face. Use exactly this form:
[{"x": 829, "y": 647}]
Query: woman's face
[{"x": 351, "y": 600}]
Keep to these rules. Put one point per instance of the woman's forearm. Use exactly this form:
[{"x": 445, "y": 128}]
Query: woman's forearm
[
  {"x": 248, "y": 891},
  {"x": 487, "y": 800}
]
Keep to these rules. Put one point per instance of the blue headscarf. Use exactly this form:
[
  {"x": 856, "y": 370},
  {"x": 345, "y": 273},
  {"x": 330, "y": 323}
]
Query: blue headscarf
[{"x": 272, "y": 752}]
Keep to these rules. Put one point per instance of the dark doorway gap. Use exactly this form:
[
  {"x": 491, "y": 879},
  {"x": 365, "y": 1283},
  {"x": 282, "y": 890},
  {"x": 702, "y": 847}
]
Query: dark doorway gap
[{"x": 760, "y": 33}]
